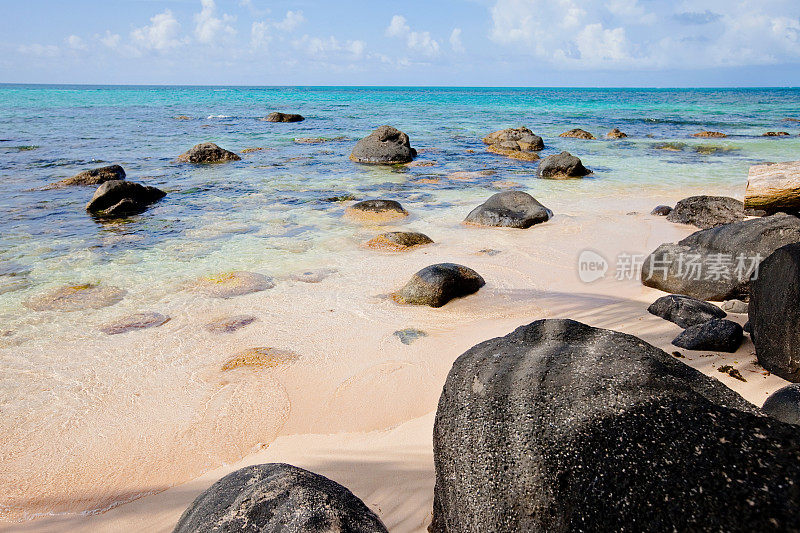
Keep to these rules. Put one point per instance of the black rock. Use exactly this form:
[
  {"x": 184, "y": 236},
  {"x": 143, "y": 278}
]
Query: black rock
[
  {"x": 563, "y": 427},
  {"x": 707, "y": 211},
  {"x": 661, "y": 210},
  {"x": 774, "y": 313},
  {"x": 562, "y": 166},
  {"x": 715, "y": 335},
  {"x": 436, "y": 285},
  {"x": 205, "y": 153},
  {"x": 95, "y": 176},
  {"x": 386, "y": 145},
  {"x": 284, "y": 117},
  {"x": 684, "y": 310},
  {"x": 119, "y": 198},
  {"x": 784, "y": 404},
  {"x": 277, "y": 498},
  {"x": 511, "y": 209},
  {"x": 666, "y": 268}
]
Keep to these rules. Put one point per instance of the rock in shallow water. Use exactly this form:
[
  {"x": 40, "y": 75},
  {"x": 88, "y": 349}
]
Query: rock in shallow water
[
  {"x": 516, "y": 143},
  {"x": 229, "y": 324},
  {"x": 263, "y": 357},
  {"x": 616, "y": 134},
  {"x": 398, "y": 241},
  {"x": 562, "y": 166},
  {"x": 122, "y": 198},
  {"x": 76, "y": 298},
  {"x": 716, "y": 335},
  {"x": 784, "y": 404},
  {"x": 278, "y": 498},
  {"x": 710, "y": 135},
  {"x": 376, "y": 211},
  {"x": 684, "y": 310},
  {"x": 707, "y": 211},
  {"x": 230, "y": 284},
  {"x": 95, "y": 176},
  {"x": 661, "y": 210},
  {"x": 511, "y": 209},
  {"x": 578, "y": 133},
  {"x": 385, "y": 145},
  {"x": 561, "y": 427},
  {"x": 205, "y": 153},
  {"x": 134, "y": 322},
  {"x": 407, "y": 336},
  {"x": 284, "y": 117},
  {"x": 438, "y": 284}
]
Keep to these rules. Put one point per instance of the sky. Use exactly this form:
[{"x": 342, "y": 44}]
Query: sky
[{"x": 540, "y": 43}]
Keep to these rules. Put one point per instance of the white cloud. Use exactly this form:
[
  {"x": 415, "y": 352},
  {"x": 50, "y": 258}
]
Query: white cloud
[
  {"x": 111, "y": 40},
  {"x": 316, "y": 46},
  {"x": 418, "y": 41},
  {"x": 209, "y": 28},
  {"x": 455, "y": 40},
  {"x": 39, "y": 50},
  {"x": 75, "y": 42},
  {"x": 291, "y": 22},
  {"x": 260, "y": 35},
  {"x": 161, "y": 34}
]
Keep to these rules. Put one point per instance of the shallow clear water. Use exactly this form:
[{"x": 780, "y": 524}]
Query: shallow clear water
[{"x": 271, "y": 213}]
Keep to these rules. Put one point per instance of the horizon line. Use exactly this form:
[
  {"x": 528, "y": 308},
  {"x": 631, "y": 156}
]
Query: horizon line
[{"x": 313, "y": 86}]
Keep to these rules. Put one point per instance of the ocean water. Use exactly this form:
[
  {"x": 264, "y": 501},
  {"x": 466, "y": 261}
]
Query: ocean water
[{"x": 273, "y": 213}]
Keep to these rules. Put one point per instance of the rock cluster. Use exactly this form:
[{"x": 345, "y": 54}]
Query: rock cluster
[{"x": 516, "y": 143}]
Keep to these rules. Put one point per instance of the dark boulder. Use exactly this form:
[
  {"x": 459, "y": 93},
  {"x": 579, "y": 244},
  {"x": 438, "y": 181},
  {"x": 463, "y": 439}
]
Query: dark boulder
[
  {"x": 707, "y": 211},
  {"x": 436, "y": 285},
  {"x": 284, "y": 117},
  {"x": 561, "y": 427},
  {"x": 95, "y": 176},
  {"x": 661, "y": 210},
  {"x": 743, "y": 245},
  {"x": 784, "y": 404},
  {"x": 386, "y": 145},
  {"x": 774, "y": 313},
  {"x": 562, "y": 166},
  {"x": 119, "y": 198},
  {"x": 376, "y": 211},
  {"x": 278, "y": 498},
  {"x": 205, "y": 153},
  {"x": 511, "y": 209},
  {"x": 684, "y": 310},
  {"x": 716, "y": 335}
]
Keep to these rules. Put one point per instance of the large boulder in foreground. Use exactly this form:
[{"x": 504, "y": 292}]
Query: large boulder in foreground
[
  {"x": 284, "y": 117},
  {"x": 384, "y": 146},
  {"x": 278, "y": 498},
  {"x": 742, "y": 245},
  {"x": 685, "y": 311},
  {"x": 119, "y": 198},
  {"x": 206, "y": 153},
  {"x": 510, "y": 209},
  {"x": 436, "y": 285},
  {"x": 94, "y": 176},
  {"x": 784, "y": 404},
  {"x": 707, "y": 211},
  {"x": 562, "y": 166},
  {"x": 561, "y": 427},
  {"x": 774, "y": 313},
  {"x": 774, "y": 187}
]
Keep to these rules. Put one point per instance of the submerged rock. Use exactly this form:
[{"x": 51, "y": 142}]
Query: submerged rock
[
  {"x": 710, "y": 135},
  {"x": 230, "y": 284},
  {"x": 716, "y": 335},
  {"x": 674, "y": 268},
  {"x": 386, "y": 145},
  {"x": 561, "y": 427},
  {"x": 407, "y": 336},
  {"x": 784, "y": 404},
  {"x": 260, "y": 358},
  {"x": 776, "y": 134},
  {"x": 513, "y": 153},
  {"x": 376, "y": 211},
  {"x": 707, "y": 211},
  {"x": 661, "y": 210},
  {"x": 562, "y": 166},
  {"x": 229, "y": 324},
  {"x": 76, "y": 298},
  {"x": 134, "y": 322},
  {"x": 615, "y": 134},
  {"x": 313, "y": 276},
  {"x": 398, "y": 241},
  {"x": 511, "y": 209},
  {"x": 284, "y": 117},
  {"x": 578, "y": 133},
  {"x": 684, "y": 310},
  {"x": 775, "y": 313},
  {"x": 95, "y": 176},
  {"x": 278, "y": 498},
  {"x": 436, "y": 285},
  {"x": 208, "y": 153},
  {"x": 122, "y": 198}
]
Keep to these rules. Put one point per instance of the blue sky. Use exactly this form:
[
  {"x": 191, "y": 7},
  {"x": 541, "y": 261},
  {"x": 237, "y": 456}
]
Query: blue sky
[{"x": 434, "y": 42}]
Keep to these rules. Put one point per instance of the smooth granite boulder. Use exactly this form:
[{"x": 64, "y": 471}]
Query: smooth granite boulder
[
  {"x": 784, "y": 404},
  {"x": 578, "y": 133},
  {"x": 95, "y": 176},
  {"x": 743, "y": 245},
  {"x": 120, "y": 198},
  {"x": 278, "y": 498},
  {"x": 376, "y": 211},
  {"x": 562, "y": 166},
  {"x": 562, "y": 427},
  {"x": 206, "y": 153},
  {"x": 707, "y": 211},
  {"x": 510, "y": 209},
  {"x": 774, "y": 313},
  {"x": 284, "y": 117},
  {"x": 716, "y": 335},
  {"x": 684, "y": 310},
  {"x": 661, "y": 210},
  {"x": 386, "y": 145},
  {"x": 398, "y": 241},
  {"x": 436, "y": 285}
]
